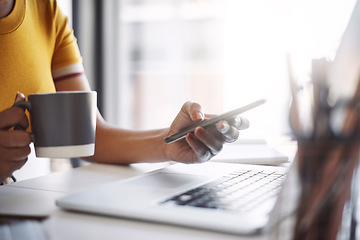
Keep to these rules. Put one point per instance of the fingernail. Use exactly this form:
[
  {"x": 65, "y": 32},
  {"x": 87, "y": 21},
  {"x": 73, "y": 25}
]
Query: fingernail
[
  {"x": 244, "y": 124},
  {"x": 199, "y": 115},
  {"x": 19, "y": 97},
  {"x": 237, "y": 121},
  {"x": 223, "y": 126}
]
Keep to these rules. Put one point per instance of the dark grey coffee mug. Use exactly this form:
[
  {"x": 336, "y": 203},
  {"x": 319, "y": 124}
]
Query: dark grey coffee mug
[{"x": 63, "y": 123}]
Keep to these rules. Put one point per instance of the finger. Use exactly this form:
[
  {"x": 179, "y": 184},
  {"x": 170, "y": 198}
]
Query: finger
[
  {"x": 194, "y": 110},
  {"x": 240, "y": 123},
  {"x": 202, "y": 152},
  {"x": 15, "y": 154},
  {"x": 19, "y": 164},
  {"x": 24, "y": 124},
  {"x": 8, "y": 167},
  {"x": 212, "y": 141},
  {"x": 16, "y": 165},
  {"x": 19, "y": 97},
  {"x": 16, "y": 138},
  {"x": 229, "y": 133},
  {"x": 13, "y": 116}
]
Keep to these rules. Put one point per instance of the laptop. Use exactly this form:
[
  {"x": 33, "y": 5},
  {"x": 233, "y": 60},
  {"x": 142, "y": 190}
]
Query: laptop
[{"x": 225, "y": 197}]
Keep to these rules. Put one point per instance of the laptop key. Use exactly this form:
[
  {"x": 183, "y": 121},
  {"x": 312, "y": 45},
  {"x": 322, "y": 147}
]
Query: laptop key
[{"x": 239, "y": 191}]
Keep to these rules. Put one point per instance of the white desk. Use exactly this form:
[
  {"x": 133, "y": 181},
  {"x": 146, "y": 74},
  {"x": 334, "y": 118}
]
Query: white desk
[{"x": 37, "y": 196}]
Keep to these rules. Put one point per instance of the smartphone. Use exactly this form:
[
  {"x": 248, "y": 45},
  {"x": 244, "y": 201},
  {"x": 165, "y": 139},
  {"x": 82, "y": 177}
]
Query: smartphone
[{"x": 180, "y": 135}]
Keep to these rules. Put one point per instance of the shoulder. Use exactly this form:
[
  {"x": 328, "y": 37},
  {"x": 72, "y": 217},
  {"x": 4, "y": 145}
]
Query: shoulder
[
  {"x": 48, "y": 15},
  {"x": 44, "y": 8},
  {"x": 43, "y": 4}
]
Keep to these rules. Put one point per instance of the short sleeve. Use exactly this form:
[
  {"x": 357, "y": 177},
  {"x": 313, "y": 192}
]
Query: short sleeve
[{"x": 66, "y": 50}]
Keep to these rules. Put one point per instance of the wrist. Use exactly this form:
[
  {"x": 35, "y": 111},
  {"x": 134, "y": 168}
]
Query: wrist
[{"x": 163, "y": 156}]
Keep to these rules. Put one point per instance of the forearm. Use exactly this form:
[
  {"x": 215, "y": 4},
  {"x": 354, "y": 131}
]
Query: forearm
[{"x": 114, "y": 145}]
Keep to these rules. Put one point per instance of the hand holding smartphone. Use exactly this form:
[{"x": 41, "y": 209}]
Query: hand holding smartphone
[{"x": 226, "y": 116}]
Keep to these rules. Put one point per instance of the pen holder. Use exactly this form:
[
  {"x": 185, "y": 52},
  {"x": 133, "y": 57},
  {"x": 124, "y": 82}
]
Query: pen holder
[
  {"x": 329, "y": 180},
  {"x": 319, "y": 197}
]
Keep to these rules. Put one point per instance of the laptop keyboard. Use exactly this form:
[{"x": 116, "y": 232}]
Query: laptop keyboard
[{"x": 240, "y": 191}]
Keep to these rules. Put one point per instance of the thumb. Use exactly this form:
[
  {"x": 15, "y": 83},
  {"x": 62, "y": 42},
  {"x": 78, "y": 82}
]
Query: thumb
[{"x": 19, "y": 97}]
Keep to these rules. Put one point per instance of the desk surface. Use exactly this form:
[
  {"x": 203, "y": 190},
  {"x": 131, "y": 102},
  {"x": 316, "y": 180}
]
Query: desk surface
[{"x": 36, "y": 197}]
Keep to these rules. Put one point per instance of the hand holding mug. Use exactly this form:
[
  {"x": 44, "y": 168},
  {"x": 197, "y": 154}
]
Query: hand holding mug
[
  {"x": 62, "y": 123},
  {"x": 14, "y": 144}
]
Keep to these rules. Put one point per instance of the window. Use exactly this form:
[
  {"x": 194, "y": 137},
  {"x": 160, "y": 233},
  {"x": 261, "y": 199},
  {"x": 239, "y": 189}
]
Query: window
[
  {"x": 220, "y": 53},
  {"x": 171, "y": 52}
]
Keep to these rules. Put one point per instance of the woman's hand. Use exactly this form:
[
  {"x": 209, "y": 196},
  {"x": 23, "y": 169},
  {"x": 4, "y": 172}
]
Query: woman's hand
[
  {"x": 14, "y": 144},
  {"x": 203, "y": 144}
]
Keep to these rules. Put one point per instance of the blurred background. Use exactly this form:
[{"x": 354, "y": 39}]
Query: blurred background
[{"x": 145, "y": 58}]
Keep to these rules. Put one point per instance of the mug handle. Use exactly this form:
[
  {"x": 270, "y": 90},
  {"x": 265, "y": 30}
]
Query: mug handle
[{"x": 27, "y": 105}]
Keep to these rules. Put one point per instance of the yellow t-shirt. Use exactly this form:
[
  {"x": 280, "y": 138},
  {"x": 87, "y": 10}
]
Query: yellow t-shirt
[{"x": 36, "y": 46}]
